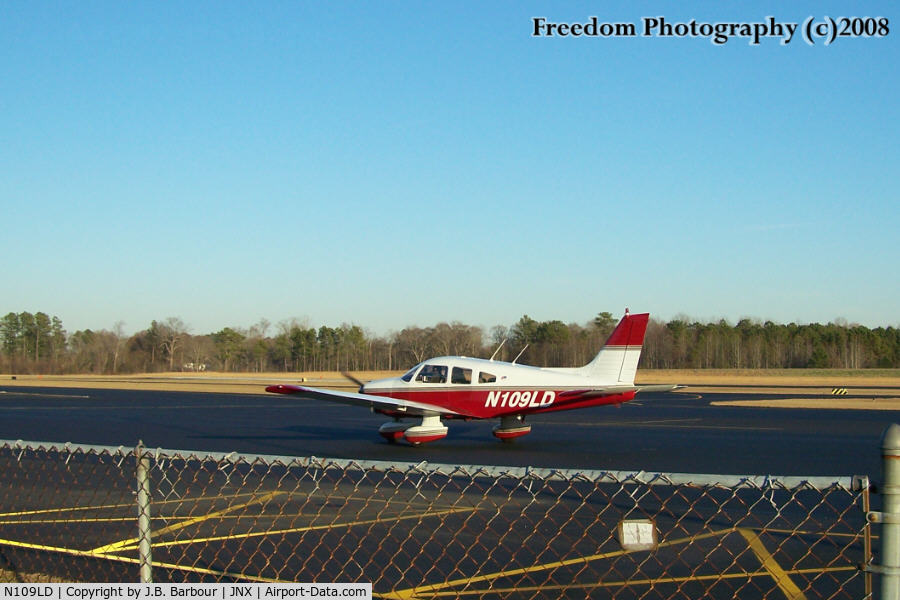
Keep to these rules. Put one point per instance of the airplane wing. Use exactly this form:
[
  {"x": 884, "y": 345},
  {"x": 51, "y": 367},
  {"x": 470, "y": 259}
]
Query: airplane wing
[{"x": 418, "y": 409}]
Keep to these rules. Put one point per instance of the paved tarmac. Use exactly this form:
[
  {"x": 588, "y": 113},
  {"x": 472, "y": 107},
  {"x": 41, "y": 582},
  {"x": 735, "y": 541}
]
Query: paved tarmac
[{"x": 671, "y": 432}]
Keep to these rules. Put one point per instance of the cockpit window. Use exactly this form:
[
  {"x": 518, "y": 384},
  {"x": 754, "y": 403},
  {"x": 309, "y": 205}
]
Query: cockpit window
[
  {"x": 486, "y": 377},
  {"x": 407, "y": 377},
  {"x": 433, "y": 374},
  {"x": 461, "y": 375}
]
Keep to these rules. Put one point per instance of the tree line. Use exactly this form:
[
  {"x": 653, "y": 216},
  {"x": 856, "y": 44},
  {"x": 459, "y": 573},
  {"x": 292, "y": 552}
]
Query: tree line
[{"x": 38, "y": 343}]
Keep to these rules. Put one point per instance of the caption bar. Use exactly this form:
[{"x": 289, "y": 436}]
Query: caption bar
[{"x": 165, "y": 591}]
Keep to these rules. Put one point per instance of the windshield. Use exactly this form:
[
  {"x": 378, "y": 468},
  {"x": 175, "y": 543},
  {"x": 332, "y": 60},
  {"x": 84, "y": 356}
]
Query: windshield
[{"x": 407, "y": 377}]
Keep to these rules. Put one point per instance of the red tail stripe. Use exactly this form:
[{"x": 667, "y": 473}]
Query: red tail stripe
[{"x": 630, "y": 331}]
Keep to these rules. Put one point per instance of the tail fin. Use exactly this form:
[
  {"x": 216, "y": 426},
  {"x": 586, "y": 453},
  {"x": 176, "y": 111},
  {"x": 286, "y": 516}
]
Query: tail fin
[{"x": 618, "y": 359}]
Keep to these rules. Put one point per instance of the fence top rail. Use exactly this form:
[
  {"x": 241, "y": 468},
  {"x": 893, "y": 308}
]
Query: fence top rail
[{"x": 820, "y": 482}]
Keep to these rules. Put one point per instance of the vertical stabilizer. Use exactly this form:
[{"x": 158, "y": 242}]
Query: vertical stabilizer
[{"x": 617, "y": 361}]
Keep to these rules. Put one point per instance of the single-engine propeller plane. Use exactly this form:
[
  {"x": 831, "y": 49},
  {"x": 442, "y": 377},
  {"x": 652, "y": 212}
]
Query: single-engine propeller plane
[{"x": 457, "y": 387}]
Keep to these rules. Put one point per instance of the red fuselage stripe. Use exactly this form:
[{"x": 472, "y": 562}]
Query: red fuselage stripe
[{"x": 484, "y": 403}]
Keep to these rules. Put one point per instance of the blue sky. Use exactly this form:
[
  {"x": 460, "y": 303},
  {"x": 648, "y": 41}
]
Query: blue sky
[{"x": 391, "y": 164}]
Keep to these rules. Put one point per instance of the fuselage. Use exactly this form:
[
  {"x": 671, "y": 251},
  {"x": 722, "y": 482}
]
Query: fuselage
[{"x": 484, "y": 389}]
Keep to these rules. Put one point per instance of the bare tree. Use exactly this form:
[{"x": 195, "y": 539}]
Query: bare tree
[
  {"x": 172, "y": 332},
  {"x": 119, "y": 335},
  {"x": 412, "y": 345}
]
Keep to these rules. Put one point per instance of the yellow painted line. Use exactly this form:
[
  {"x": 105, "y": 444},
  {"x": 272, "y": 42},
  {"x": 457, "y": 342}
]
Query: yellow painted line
[
  {"x": 823, "y": 570},
  {"x": 134, "y": 561},
  {"x": 45, "y": 511},
  {"x": 76, "y": 521},
  {"x": 414, "y": 592},
  {"x": 788, "y": 587},
  {"x": 178, "y": 526},
  {"x": 252, "y": 534},
  {"x": 824, "y": 534},
  {"x": 429, "y": 589},
  {"x": 632, "y": 582},
  {"x": 105, "y": 506},
  {"x": 31, "y": 546},
  {"x": 686, "y": 423},
  {"x": 63, "y": 509},
  {"x": 167, "y": 518}
]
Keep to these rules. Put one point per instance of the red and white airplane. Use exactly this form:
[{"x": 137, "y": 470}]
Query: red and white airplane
[{"x": 457, "y": 387}]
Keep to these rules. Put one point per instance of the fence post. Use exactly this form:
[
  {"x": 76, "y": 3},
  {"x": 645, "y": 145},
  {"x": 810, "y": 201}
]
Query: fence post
[
  {"x": 890, "y": 529},
  {"x": 143, "y": 499}
]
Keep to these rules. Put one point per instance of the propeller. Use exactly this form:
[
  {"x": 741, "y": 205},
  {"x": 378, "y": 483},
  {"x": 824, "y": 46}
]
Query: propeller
[{"x": 350, "y": 376}]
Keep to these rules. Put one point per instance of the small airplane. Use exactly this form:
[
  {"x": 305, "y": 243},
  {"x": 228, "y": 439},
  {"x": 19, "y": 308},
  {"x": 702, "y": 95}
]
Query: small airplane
[{"x": 457, "y": 387}]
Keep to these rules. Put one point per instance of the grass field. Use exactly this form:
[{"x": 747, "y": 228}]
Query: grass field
[{"x": 787, "y": 377}]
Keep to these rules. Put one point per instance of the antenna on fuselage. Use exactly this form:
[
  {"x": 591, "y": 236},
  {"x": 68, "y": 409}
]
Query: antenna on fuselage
[
  {"x": 520, "y": 354},
  {"x": 498, "y": 349}
]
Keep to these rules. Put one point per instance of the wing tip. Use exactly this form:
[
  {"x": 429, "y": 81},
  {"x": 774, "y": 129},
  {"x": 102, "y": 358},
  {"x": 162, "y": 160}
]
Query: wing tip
[{"x": 281, "y": 389}]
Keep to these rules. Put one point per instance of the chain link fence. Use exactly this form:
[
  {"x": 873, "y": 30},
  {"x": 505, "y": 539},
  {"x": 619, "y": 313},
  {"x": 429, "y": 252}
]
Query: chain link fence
[{"x": 72, "y": 513}]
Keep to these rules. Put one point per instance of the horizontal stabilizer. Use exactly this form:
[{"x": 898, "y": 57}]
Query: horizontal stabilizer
[
  {"x": 595, "y": 392},
  {"x": 611, "y": 390},
  {"x": 659, "y": 388}
]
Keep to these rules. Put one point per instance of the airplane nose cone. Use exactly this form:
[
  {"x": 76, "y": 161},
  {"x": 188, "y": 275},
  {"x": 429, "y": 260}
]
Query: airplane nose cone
[{"x": 377, "y": 386}]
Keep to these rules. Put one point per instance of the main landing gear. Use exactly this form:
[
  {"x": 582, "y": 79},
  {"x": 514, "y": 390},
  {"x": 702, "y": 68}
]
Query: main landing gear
[{"x": 511, "y": 428}]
